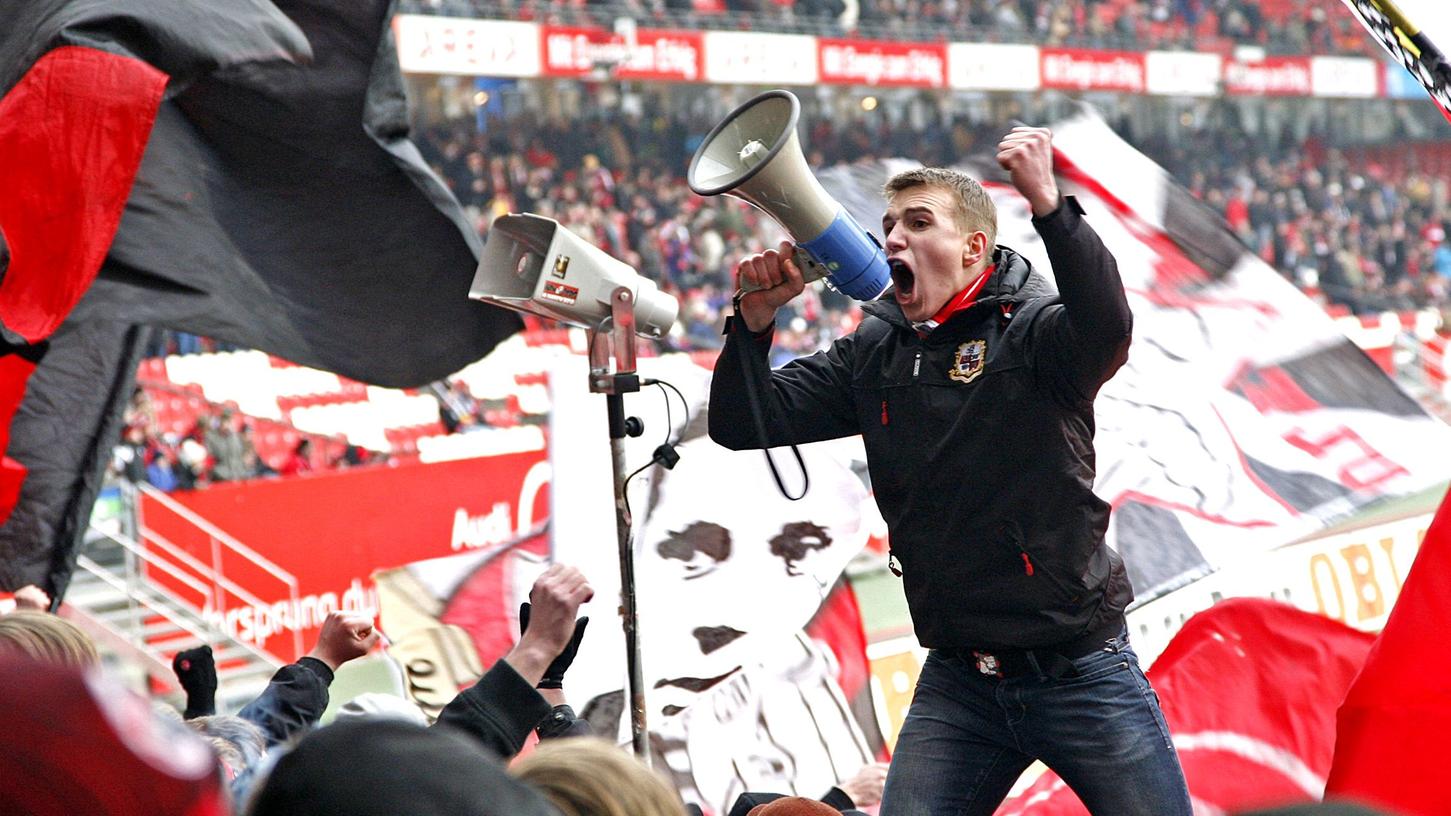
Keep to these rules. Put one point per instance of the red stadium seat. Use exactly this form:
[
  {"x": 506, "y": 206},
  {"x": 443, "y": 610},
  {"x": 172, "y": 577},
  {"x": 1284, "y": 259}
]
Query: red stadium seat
[{"x": 152, "y": 369}]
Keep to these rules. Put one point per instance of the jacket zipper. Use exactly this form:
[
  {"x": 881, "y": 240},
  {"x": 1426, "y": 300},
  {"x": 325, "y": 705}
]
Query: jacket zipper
[
  {"x": 1022, "y": 551},
  {"x": 917, "y": 364}
]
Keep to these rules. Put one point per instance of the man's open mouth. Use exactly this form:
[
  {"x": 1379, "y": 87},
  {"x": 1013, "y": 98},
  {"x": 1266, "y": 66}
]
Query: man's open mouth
[{"x": 902, "y": 277}]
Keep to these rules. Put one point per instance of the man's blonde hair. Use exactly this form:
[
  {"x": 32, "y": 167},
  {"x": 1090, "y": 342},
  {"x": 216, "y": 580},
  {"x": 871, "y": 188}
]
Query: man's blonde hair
[
  {"x": 975, "y": 209},
  {"x": 587, "y": 776}
]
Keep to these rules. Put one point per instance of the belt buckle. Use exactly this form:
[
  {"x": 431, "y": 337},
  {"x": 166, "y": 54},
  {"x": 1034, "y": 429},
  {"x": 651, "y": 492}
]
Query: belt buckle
[{"x": 988, "y": 664}]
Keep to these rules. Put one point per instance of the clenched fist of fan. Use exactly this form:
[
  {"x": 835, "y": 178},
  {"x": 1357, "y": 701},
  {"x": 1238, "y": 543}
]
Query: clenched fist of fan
[{"x": 345, "y": 636}]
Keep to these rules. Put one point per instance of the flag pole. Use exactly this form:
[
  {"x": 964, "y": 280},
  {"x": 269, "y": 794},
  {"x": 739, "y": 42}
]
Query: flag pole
[
  {"x": 1410, "y": 45},
  {"x": 614, "y": 384}
]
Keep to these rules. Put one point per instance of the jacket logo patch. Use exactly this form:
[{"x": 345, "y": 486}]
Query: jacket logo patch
[{"x": 969, "y": 361}]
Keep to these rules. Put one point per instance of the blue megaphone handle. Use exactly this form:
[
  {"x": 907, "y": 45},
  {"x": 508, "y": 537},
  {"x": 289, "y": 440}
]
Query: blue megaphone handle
[{"x": 854, "y": 261}]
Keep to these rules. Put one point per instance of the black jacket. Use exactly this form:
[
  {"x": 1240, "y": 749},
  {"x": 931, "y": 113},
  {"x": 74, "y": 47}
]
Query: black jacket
[
  {"x": 499, "y": 711},
  {"x": 979, "y": 440},
  {"x": 293, "y": 701}
]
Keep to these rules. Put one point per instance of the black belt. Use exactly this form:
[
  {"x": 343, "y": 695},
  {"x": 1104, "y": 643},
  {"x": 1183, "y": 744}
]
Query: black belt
[{"x": 1045, "y": 661}]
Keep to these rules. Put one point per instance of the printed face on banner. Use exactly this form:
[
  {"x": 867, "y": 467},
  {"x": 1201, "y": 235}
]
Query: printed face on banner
[
  {"x": 722, "y": 558},
  {"x": 779, "y": 725},
  {"x": 744, "y": 561}
]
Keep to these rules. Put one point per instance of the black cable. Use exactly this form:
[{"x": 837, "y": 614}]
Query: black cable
[
  {"x": 626, "y": 490},
  {"x": 684, "y": 406},
  {"x": 669, "y": 426},
  {"x": 664, "y": 455},
  {"x": 760, "y": 421}
]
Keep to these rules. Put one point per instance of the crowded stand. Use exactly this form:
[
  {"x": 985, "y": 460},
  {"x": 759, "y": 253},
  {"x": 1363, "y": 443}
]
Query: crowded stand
[{"x": 1361, "y": 229}]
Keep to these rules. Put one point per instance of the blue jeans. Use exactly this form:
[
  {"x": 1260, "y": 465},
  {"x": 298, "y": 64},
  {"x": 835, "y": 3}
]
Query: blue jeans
[{"x": 968, "y": 737}]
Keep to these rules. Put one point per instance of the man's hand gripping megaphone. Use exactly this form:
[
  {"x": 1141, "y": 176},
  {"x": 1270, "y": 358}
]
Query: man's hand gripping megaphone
[{"x": 766, "y": 282}]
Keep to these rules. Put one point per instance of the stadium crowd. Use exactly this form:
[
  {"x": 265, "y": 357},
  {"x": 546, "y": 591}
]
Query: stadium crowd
[
  {"x": 76, "y": 741},
  {"x": 1363, "y": 232},
  {"x": 1283, "y": 26},
  {"x": 219, "y": 446},
  {"x": 1369, "y": 235}
]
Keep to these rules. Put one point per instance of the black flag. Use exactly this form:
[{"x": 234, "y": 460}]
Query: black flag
[{"x": 279, "y": 205}]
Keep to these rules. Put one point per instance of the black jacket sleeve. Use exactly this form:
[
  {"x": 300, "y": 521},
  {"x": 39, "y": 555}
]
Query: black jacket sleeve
[
  {"x": 838, "y": 798},
  {"x": 806, "y": 400},
  {"x": 1086, "y": 338},
  {"x": 292, "y": 702},
  {"x": 499, "y": 711}
]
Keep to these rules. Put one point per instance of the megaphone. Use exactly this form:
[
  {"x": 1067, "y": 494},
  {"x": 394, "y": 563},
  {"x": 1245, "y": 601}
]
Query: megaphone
[
  {"x": 534, "y": 264},
  {"x": 754, "y": 155}
]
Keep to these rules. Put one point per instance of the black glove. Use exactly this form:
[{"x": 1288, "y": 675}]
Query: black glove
[
  {"x": 197, "y": 671},
  {"x": 554, "y": 675}
]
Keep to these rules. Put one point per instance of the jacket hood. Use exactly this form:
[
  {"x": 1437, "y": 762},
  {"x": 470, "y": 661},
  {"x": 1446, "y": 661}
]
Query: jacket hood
[{"x": 1014, "y": 280}]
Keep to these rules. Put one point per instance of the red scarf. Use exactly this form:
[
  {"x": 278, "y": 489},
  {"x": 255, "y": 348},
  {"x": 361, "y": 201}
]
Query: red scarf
[{"x": 956, "y": 303}]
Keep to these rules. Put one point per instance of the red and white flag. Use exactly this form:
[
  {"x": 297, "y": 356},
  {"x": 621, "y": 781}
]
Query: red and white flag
[{"x": 1244, "y": 418}]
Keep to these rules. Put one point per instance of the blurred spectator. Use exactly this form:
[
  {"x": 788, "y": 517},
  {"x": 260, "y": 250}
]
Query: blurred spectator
[
  {"x": 42, "y": 636},
  {"x": 379, "y": 706},
  {"x": 387, "y": 767},
  {"x": 458, "y": 410},
  {"x": 863, "y": 789},
  {"x": 74, "y": 742},
  {"x": 164, "y": 469},
  {"x": 238, "y": 744},
  {"x": 227, "y": 448},
  {"x": 129, "y": 457},
  {"x": 592, "y": 777},
  {"x": 299, "y": 461},
  {"x": 297, "y": 695}
]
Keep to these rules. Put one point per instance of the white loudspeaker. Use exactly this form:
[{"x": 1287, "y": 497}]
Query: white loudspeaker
[
  {"x": 535, "y": 264},
  {"x": 754, "y": 155}
]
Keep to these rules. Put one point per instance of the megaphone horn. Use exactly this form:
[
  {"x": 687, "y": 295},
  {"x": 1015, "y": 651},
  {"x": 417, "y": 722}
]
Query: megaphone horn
[{"x": 755, "y": 155}]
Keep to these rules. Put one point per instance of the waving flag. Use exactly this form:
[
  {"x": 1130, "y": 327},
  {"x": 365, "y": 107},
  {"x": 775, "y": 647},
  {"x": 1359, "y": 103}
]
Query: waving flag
[
  {"x": 278, "y": 205},
  {"x": 1244, "y": 418},
  {"x": 1392, "y": 727}
]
